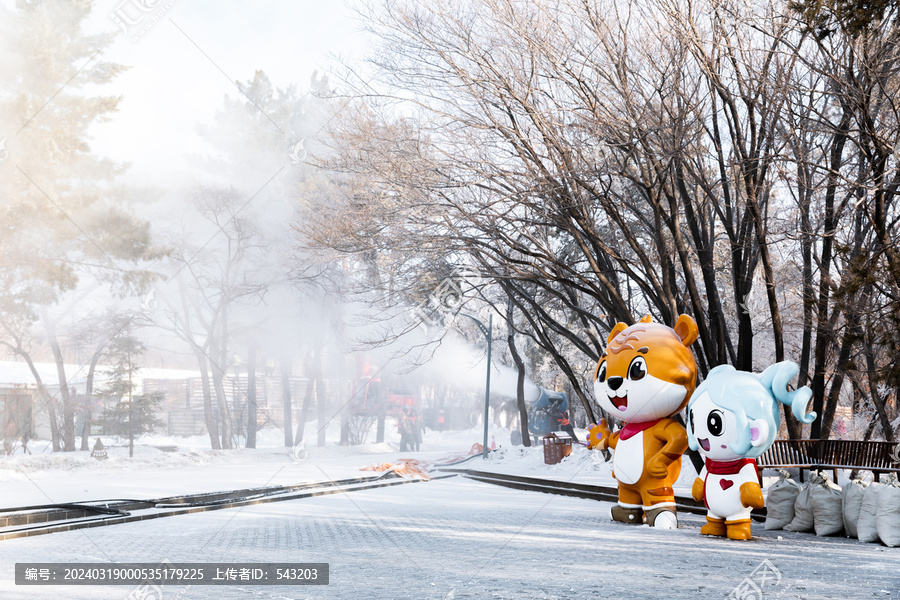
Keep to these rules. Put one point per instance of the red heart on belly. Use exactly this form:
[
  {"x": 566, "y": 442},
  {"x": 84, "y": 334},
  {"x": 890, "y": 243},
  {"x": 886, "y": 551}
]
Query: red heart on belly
[{"x": 726, "y": 483}]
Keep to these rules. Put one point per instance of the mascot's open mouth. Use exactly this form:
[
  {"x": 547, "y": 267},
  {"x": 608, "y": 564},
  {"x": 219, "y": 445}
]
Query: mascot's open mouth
[
  {"x": 620, "y": 402},
  {"x": 704, "y": 443}
]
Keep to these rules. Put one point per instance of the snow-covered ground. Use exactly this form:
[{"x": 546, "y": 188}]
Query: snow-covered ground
[
  {"x": 45, "y": 477},
  {"x": 193, "y": 468},
  {"x": 442, "y": 539}
]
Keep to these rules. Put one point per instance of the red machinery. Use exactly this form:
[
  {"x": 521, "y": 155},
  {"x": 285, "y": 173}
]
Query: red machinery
[{"x": 372, "y": 397}]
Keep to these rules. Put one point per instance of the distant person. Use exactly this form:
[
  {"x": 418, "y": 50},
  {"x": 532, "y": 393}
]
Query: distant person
[
  {"x": 405, "y": 427},
  {"x": 566, "y": 425},
  {"x": 441, "y": 419},
  {"x": 415, "y": 429}
]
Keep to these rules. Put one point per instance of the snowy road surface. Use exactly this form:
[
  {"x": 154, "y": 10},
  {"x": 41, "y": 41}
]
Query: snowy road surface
[
  {"x": 452, "y": 538},
  {"x": 457, "y": 538}
]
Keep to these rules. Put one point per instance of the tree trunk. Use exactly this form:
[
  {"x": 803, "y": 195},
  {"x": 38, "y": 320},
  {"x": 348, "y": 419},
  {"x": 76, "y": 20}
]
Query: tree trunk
[
  {"x": 89, "y": 398},
  {"x": 823, "y": 333},
  {"x": 753, "y": 204},
  {"x": 307, "y": 400},
  {"x": 289, "y": 440},
  {"x": 130, "y": 410},
  {"x": 209, "y": 413},
  {"x": 222, "y": 401},
  {"x": 321, "y": 402},
  {"x": 343, "y": 392},
  {"x": 130, "y": 425},
  {"x": 520, "y": 374},
  {"x": 745, "y": 330},
  {"x": 718, "y": 343},
  {"x": 826, "y": 417},
  {"x": 251, "y": 397},
  {"x": 49, "y": 401},
  {"x": 877, "y": 400},
  {"x": 793, "y": 426},
  {"x": 68, "y": 406}
]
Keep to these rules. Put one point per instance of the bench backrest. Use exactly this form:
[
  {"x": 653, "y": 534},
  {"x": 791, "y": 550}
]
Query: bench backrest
[{"x": 848, "y": 453}]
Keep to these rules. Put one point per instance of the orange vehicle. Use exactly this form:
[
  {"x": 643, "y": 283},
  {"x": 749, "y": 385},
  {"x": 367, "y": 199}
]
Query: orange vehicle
[{"x": 372, "y": 397}]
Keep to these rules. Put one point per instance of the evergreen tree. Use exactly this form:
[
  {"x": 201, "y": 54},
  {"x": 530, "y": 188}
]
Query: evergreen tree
[
  {"x": 127, "y": 413},
  {"x": 824, "y": 17},
  {"x": 67, "y": 225}
]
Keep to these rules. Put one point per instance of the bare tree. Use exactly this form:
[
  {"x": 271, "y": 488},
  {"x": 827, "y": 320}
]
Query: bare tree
[
  {"x": 214, "y": 276},
  {"x": 600, "y": 161}
]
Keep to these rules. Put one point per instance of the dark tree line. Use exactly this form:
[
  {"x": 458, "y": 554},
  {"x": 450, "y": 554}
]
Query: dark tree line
[{"x": 599, "y": 162}]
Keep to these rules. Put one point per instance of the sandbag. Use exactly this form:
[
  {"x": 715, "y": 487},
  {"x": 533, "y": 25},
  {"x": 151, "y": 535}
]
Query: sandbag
[
  {"x": 866, "y": 528},
  {"x": 851, "y": 505},
  {"x": 888, "y": 517},
  {"x": 780, "y": 501},
  {"x": 803, "y": 514},
  {"x": 825, "y": 498}
]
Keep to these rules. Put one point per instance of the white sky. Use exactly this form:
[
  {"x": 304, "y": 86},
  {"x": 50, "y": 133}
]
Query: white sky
[
  {"x": 172, "y": 86},
  {"x": 185, "y": 64}
]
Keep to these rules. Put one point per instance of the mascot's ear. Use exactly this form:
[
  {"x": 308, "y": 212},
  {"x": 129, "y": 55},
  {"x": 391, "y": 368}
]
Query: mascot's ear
[
  {"x": 759, "y": 433},
  {"x": 686, "y": 329},
  {"x": 619, "y": 328}
]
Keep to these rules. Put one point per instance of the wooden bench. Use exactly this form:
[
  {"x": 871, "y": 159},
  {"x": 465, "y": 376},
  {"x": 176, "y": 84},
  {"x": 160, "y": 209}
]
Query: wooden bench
[{"x": 877, "y": 457}]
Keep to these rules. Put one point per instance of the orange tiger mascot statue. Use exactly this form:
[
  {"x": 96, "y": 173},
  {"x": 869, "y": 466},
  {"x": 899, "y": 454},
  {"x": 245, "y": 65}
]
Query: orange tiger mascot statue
[{"x": 645, "y": 376}]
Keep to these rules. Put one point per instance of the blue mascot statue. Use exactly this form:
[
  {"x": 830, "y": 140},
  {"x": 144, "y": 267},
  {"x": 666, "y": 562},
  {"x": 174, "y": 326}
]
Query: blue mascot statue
[{"x": 733, "y": 417}]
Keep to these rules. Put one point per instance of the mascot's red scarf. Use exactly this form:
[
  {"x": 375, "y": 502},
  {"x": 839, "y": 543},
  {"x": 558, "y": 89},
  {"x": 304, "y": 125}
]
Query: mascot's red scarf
[
  {"x": 732, "y": 467},
  {"x": 631, "y": 429}
]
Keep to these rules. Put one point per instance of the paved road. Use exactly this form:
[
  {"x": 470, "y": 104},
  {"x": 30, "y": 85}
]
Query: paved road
[{"x": 460, "y": 539}]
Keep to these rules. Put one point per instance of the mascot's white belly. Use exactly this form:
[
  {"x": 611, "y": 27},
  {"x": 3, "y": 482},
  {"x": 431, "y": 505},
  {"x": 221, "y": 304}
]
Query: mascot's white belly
[
  {"x": 723, "y": 494},
  {"x": 628, "y": 461}
]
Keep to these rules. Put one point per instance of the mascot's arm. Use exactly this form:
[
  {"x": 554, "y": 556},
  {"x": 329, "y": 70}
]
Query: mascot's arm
[
  {"x": 601, "y": 438},
  {"x": 676, "y": 443},
  {"x": 751, "y": 495},
  {"x": 697, "y": 490}
]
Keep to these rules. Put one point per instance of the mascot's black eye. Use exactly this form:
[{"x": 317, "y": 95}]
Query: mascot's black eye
[
  {"x": 715, "y": 423},
  {"x": 637, "y": 369},
  {"x": 601, "y": 372},
  {"x": 691, "y": 419}
]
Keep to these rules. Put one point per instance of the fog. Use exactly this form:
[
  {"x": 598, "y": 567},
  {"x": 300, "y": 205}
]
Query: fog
[
  {"x": 322, "y": 197},
  {"x": 159, "y": 175}
]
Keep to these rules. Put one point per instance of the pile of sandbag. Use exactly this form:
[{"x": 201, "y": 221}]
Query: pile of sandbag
[
  {"x": 878, "y": 514},
  {"x": 887, "y": 523},
  {"x": 854, "y": 492},
  {"x": 818, "y": 507},
  {"x": 867, "y": 512},
  {"x": 780, "y": 501}
]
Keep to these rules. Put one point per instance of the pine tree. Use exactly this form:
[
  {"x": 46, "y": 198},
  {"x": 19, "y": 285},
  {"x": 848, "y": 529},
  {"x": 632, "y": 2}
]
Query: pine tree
[
  {"x": 67, "y": 226},
  {"x": 127, "y": 413}
]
